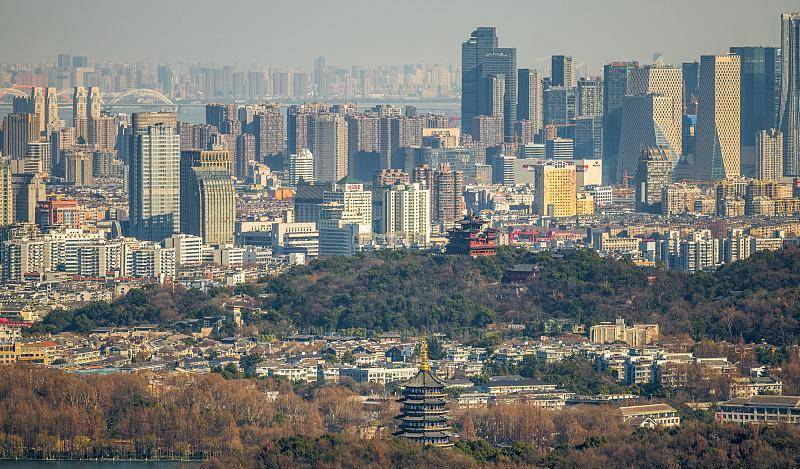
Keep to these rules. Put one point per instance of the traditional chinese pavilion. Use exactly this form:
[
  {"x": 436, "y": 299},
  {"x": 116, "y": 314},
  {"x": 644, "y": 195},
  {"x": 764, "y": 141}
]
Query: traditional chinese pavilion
[
  {"x": 472, "y": 237},
  {"x": 425, "y": 417}
]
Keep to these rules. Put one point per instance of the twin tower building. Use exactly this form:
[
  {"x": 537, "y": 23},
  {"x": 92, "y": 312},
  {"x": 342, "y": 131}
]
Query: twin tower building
[{"x": 173, "y": 191}]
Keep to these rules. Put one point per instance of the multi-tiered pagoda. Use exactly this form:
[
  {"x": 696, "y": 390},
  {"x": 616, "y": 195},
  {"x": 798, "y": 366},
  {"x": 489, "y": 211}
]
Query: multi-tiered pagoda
[
  {"x": 472, "y": 237},
  {"x": 425, "y": 417}
]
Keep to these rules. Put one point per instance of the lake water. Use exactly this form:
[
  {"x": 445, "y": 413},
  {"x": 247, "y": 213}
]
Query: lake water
[{"x": 6, "y": 464}]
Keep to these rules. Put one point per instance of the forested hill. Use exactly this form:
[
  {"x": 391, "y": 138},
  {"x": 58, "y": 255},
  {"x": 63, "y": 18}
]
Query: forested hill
[
  {"x": 393, "y": 290},
  {"x": 755, "y": 299}
]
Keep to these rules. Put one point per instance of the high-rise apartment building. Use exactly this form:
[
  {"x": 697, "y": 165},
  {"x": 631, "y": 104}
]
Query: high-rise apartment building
[
  {"x": 79, "y": 168},
  {"x": 769, "y": 155},
  {"x": 269, "y": 131},
  {"x": 103, "y": 133},
  {"x": 529, "y": 104},
  {"x": 300, "y": 166},
  {"x": 244, "y": 154},
  {"x": 154, "y": 176},
  {"x": 717, "y": 141},
  {"x": 406, "y": 214},
  {"x": 488, "y": 130},
  {"x": 220, "y": 115},
  {"x": 555, "y": 193},
  {"x": 447, "y": 192},
  {"x": 328, "y": 143},
  {"x": 27, "y": 190},
  {"x": 789, "y": 111},
  {"x": 80, "y": 120},
  {"x": 562, "y": 71},
  {"x": 615, "y": 87},
  {"x": 6, "y": 196},
  {"x": 760, "y": 90}
]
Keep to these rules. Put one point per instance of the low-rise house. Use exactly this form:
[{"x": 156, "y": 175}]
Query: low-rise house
[
  {"x": 749, "y": 386},
  {"x": 648, "y": 415},
  {"x": 378, "y": 374}
]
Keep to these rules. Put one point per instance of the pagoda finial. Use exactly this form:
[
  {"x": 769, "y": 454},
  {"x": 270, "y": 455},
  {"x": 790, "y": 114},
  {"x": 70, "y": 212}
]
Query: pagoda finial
[{"x": 423, "y": 356}]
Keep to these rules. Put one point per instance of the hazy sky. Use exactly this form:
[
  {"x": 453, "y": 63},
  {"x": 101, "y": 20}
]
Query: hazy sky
[{"x": 291, "y": 32}]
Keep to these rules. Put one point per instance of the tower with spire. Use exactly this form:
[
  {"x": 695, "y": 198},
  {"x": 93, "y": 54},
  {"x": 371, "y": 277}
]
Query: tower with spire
[{"x": 425, "y": 417}]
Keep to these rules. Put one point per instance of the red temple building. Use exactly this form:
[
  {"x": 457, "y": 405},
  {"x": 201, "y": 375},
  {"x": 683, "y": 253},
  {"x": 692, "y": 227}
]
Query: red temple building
[{"x": 472, "y": 237}]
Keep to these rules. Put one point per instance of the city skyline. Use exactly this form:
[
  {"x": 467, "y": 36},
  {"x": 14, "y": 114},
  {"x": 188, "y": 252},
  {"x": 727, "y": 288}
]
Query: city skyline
[{"x": 181, "y": 34}]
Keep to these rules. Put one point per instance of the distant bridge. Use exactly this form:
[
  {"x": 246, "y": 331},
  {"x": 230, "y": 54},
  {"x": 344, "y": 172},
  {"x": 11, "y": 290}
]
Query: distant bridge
[{"x": 130, "y": 97}]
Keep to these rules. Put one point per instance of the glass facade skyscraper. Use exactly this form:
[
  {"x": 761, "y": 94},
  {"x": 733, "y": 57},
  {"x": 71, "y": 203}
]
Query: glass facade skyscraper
[
  {"x": 615, "y": 87},
  {"x": 789, "y": 116},
  {"x": 761, "y": 90}
]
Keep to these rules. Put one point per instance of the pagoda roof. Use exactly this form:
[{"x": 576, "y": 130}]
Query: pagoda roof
[
  {"x": 411, "y": 400},
  {"x": 425, "y": 418},
  {"x": 424, "y": 379}
]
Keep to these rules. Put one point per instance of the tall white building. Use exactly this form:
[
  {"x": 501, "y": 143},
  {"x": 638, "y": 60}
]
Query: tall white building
[
  {"x": 345, "y": 227},
  {"x": 188, "y": 249},
  {"x": 154, "y": 185},
  {"x": 717, "y": 141},
  {"x": 301, "y": 166},
  {"x": 407, "y": 214},
  {"x": 769, "y": 155}
]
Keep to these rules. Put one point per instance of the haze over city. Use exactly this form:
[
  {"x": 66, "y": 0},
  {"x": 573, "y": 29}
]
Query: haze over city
[
  {"x": 373, "y": 234},
  {"x": 364, "y": 32}
]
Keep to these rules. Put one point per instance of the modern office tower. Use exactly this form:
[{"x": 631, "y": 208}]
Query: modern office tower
[
  {"x": 760, "y": 88},
  {"x": 356, "y": 203},
  {"x": 307, "y": 200},
  {"x": 560, "y": 148},
  {"x": 40, "y": 152},
  {"x": 154, "y": 176},
  {"x": 500, "y": 62},
  {"x": 769, "y": 155},
  {"x": 647, "y": 121},
  {"x": 103, "y": 133},
  {"x": 691, "y": 79},
  {"x": 615, "y": 88},
  {"x": 488, "y": 130},
  {"x": 482, "y": 41},
  {"x": 50, "y": 110},
  {"x": 560, "y": 106},
  {"x": 244, "y": 154},
  {"x": 590, "y": 97},
  {"x": 407, "y": 214},
  {"x": 79, "y": 168},
  {"x": 447, "y": 192},
  {"x": 562, "y": 71},
  {"x": 688, "y": 131},
  {"x": 529, "y": 102},
  {"x": 80, "y": 61},
  {"x": 18, "y": 130},
  {"x": 503, "y": 170},
  {"x": 717, "y": 145},
  {"x": 220, "y": 115},
  {"x": 6, "y": 196},
  {"x": 665, "y": 81},
  {"x": 210, "y": 161},
  {"x": 525, "y": 132},
  {"x": 269, "y": 132},
  {"x": 27, "y": 191},
  {"x": 300, "y": 166},
  {"x": 208, "y": 204},
  {"x": 653, "y": 174},
  {"x": 589, "y": 137},
  {"x": 80, "y": 120},
  {"x": 328, "y": 143},
  {"x": 554, "y": 189},
  {"x": 789, "y": 112}
]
